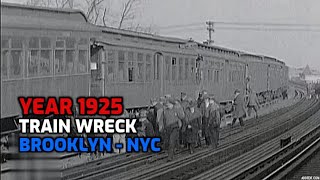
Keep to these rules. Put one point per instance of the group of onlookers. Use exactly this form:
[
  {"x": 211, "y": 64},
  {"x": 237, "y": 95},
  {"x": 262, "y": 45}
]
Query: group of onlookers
[{"x": 185, "y": 122}]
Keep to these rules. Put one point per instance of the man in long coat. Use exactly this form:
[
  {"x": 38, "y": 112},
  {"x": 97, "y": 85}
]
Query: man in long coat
[
  {"x": 172, "y": 125},
  {"x": 146, "y": 129},
  {"x": 239, "y": 111},
  {"x": 214, "y": 122},
  {"x": 205, "y": 112},
  {"x": 253, "y": 103},
  {"x": 193, "y": 125}
]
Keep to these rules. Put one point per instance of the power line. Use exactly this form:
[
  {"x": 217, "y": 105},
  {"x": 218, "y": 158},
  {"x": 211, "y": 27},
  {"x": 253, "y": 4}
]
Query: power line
[
  {"x": 265, "y": 24},
  {"x": 247, "y": 29},
  {"x": 239, "y": 24},
  {"x": 269, "y": 29}
]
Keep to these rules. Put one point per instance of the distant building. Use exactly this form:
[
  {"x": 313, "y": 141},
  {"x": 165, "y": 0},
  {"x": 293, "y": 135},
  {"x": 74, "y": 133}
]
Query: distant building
[{"x": 304, "y": 74}]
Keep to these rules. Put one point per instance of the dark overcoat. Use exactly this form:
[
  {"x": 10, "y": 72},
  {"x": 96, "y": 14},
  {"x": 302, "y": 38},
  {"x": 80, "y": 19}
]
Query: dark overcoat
[
  {"x": 239, "y": 111},
  {"x": 194, "y": 121}
]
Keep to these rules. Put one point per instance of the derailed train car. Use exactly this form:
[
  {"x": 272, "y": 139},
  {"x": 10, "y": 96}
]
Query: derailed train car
[{"x": 57, "y": 52}]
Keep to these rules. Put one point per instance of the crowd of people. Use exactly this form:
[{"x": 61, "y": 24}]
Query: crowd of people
[{"x": 184, "y": 122}]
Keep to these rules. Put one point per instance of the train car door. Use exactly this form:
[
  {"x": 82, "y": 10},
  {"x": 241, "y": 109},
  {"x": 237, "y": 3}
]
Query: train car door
[
  {"x": 97, "y": 70},
  {"x": 158, "y": 65}
]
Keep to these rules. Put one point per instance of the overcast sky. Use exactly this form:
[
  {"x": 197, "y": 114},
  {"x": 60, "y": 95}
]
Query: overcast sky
[{"x": 296, "y": 47}]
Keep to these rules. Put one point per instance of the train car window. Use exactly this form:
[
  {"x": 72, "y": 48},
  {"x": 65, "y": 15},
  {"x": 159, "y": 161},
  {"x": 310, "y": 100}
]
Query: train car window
[
  {"x": 121, "y": 68},
  {"x": 192, "y": 66},
  {"x": 180, "y": 68},
  {"x": 45, "y": 42},
  {"x": 70, "y": 42},
  {"x": 4, "y": 42},
  {"x": 111, "y": 64},
  {"x": 216, "y": 76},
  {"x": 59, "y": 56},
  {"x": 34, "y": 42},
  {"x": 45, "y": 62},
  {"x": 59, "y": 63},
  {"x": 83, "y": 54},
  {"x": 174, "y": 68},
  {"x": 16, "y": 64},
  {"x": 16, "y": 43},
  {"x": 167, "y": 61},
  {"x": 131, "y": 67},
  {"x": 140, "y": 67},
  {"x": 83, "y": 41},
  {"x": 60, "y": 43},
  {"x": 70, "y": 58},
  {"x": 158, "y": 61},
  {"x": 186, "y": 68},
  {"x": 4, "y": 64},
  {"x": 148, "y": 67}
]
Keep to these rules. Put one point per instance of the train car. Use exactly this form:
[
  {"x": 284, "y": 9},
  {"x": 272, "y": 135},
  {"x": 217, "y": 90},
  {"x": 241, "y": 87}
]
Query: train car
[
  {"x": 57, "y": 52},
  {"x": 223, "y": 71},
  {"x": 141, "y": 66},
  {"x": 44, "y": 52},
  {"x": 276, "y": 73},
  {"x": 265, "y": 73}
]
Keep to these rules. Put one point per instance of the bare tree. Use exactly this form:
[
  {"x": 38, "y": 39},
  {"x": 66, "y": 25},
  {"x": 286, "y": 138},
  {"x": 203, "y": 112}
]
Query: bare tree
[
  {"x": 102, "y": 12},
  {"x": 128, "y": 11}
]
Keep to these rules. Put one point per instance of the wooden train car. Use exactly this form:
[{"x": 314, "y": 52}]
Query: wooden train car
[
  {"x": 44, "y": 52},
  {"x": 140, "y": 66},
  {"x": 56, "y": 52}
]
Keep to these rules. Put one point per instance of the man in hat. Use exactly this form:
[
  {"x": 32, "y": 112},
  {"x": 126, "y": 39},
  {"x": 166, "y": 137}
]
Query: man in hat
[
  {"x": 172, "y": 125},
  {"x": 200, "y": 98},
  {"x": 253, "y": 103},
  {"x": 193, "y": 125},
  {"x": 146, "y": 128},
  {"x": 158, "y": 114},
  {"x": 239, "y": 111},
  {"x": 205, "y": 111},
  {"x": 152, "y": 115},
  {"x": 184, "y": 102},
  {"x": 120, "y": 138},
  {"x": 181, "y": 115},
  {"x": 214, "y": 122}
]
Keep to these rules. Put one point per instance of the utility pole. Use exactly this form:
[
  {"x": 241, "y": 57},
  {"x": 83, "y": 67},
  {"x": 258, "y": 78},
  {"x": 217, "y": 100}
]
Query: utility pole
[{"x": 211, "y": 30}]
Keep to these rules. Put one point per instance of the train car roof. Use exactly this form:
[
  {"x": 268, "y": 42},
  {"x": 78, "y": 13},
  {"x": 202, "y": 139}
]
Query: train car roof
[
  {"x": 143, "y": 35},
  {"x": 214, "y": 47},
  {"x": 25, "y": 16}
]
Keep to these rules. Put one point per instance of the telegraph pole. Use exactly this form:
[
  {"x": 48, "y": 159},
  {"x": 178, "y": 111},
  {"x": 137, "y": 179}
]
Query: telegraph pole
[{"x": 211, "y": 30}]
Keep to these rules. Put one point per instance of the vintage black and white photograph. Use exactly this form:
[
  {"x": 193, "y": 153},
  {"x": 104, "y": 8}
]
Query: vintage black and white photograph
[{"x": 160, "y": 89}]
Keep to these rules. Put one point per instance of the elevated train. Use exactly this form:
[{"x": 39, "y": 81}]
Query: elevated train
[{"x": 57, "y": 52}]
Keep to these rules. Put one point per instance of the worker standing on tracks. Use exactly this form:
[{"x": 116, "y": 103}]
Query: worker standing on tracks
[
  {"x": 239, "y": 111},
  {"x": 193, "y": 125},
  {"x": 214, "y": 122},
  {"x": 205, "y": 112},
  {"x": 172, "y": 126},
  {"x": 181, "y": 115},
  {"x": 120, "y": 138},
  {"x": 146, "y": 129},
  {"x": 184, "y": 102},
  {"x": 253, "y": 103}
]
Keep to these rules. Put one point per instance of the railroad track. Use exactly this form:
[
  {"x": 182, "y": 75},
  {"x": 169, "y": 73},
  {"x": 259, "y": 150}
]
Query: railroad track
[
  {"x": 105, "y": 171},
  {"x": 123, "y": 161},
  {"x": 267, "y": 160},
  {"x": 189, "y": 166}
]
